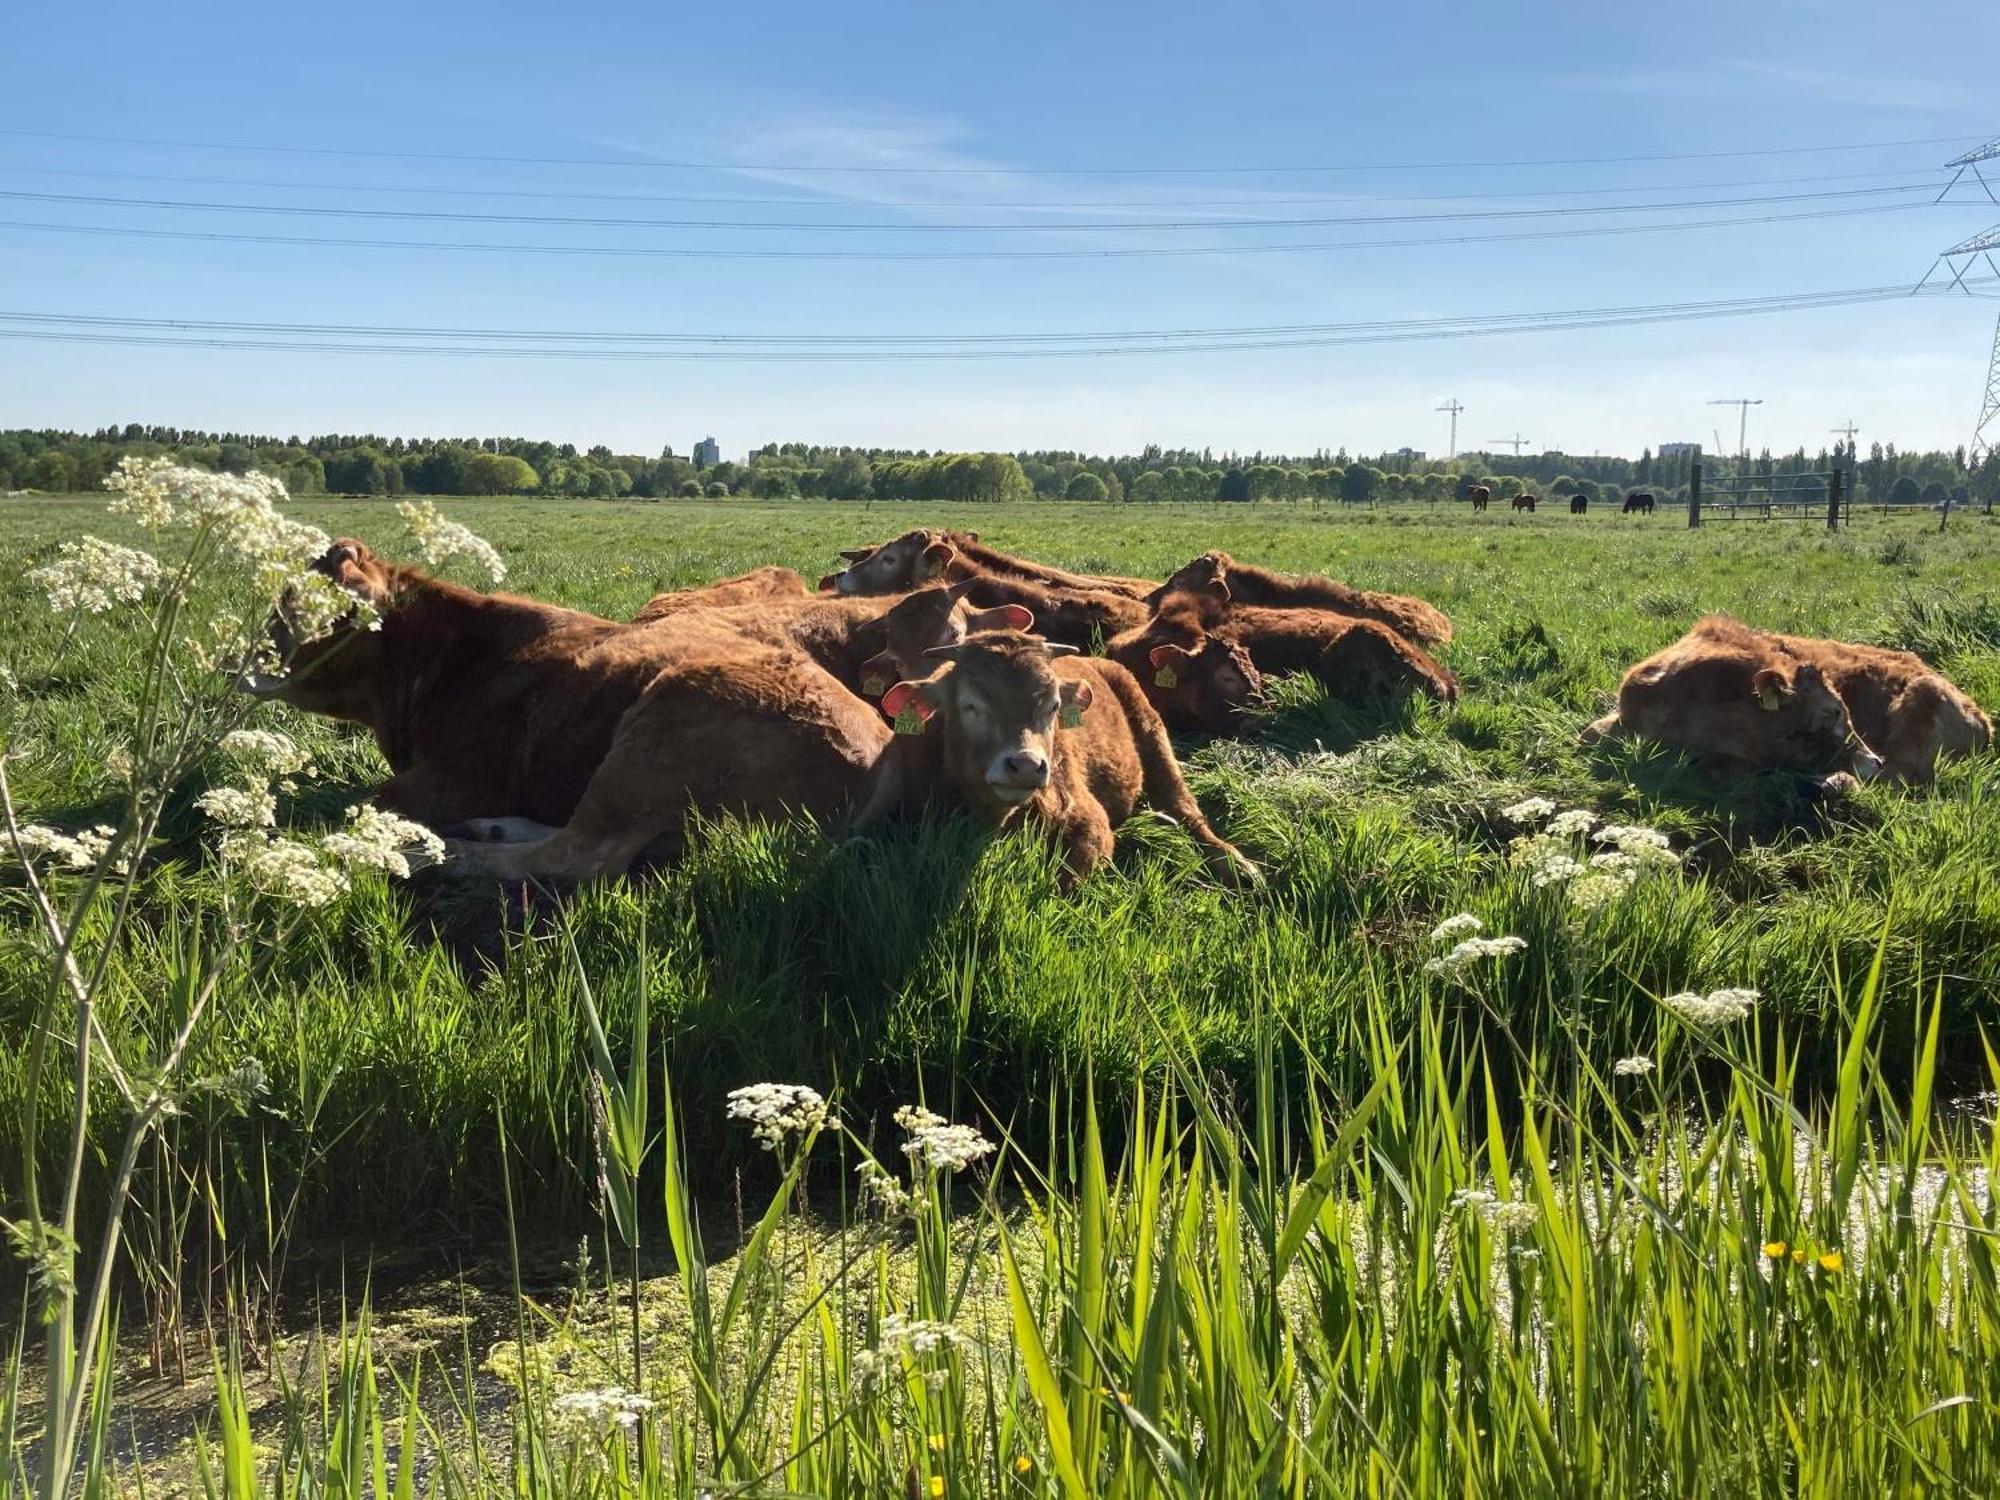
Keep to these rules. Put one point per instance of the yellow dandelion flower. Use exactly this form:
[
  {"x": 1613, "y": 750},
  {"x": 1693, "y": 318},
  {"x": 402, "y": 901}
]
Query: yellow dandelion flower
[
  {"x": 1799, "y": 1256},
  {"x": 1776, "y": 1249},
  {"x": 1023, "y": 1464},
  {"x": 937, "y": 1442},
  {"x": 1831, "y": 1261},
  {"x": 937, "y": 1485}
]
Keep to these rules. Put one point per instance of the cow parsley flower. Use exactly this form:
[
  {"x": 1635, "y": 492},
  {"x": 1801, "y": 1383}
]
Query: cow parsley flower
[
  {"x": 1646, "y": 848},
  {"x": 1599, "y": 888},
  {"x": 938, "y": 1144},
  {"x": 1716, "y": 1008},
  {"x": 903, "y": 1337},
  {"x": 1471, "y": 951},
  {"x": 775, "y": 1111},
  {"x": 266, "y": 752},
  {"x": 1528, "y": 810},
  {"x": 1578, "y": 820},
  {"x": 1554, "y": 868},
  {"x": 439, "y": 540},
  {"x": 1501, "y": 1215},
  {"x": 600, "y": 1410},
  {"x": 74, "y": 851},
  {"x": 1464, "y": 925},
  {"x": 140, "y": 489},
  {"x": 378, "y": 840},
  {"x": 880, "y": 1190},
  {"x": 285, "y": 868},
  {"x": 240, "y": 806},
  {"x": 93, "y": 576},
  {"x": 1632, "y": 1067}
]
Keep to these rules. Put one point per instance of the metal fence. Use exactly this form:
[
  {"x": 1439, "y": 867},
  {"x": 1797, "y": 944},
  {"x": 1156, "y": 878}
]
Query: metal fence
[{"x": 1807, "y": 495}]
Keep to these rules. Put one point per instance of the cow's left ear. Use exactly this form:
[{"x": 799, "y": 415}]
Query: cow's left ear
[
  {"x": 1771, "y": 688},
  {"x": 937, "y": 557},
  {"x": 1218, "y": 590},
  {"x": 910, "y": 704},
  {"x": 1075, "y": 699},
  {"x": 1001, "y": 617},
  {"x": 353, "y": 567}
]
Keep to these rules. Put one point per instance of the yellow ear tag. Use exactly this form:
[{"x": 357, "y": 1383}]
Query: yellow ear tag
[
  {"x": 1071, "y": 716},
  {"x": 874, "y": 687},
  {"x": 1770, "y": 699},
  {"x": 1166, "y": 677},
  {"x": 909, "y": 721}
]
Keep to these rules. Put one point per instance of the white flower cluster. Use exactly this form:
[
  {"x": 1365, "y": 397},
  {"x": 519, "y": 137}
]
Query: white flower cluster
[
  {"x": 777, "y": 1110},
  {"x": 1501, "y": 1215},
  {"x": 439, "y": 540},
  {"x": 1716, "y": 1008},
  {"x": 266, "y": 753},
  {"x": 239, "y": 510},
  {"x": 901, "y": 1337},
  {"x": 881, "y": 1191},
  {"x": 240, "y": 807},
  {"x": 92, "y": 576},
  {"x": 288, "y": 869},
  {"x": 935, "y": 1143},
  {"x": 1553, "y": 856},
  {"x": 1451, "y": 929},
  {"x": 1528, "y": 810},
  {"x": 74, "y": 851},
  {"x": 378, "y": 840},
  {"x": 1572, "y": 824},
  {"x": 1470, "y": 951},
  {"x": 600, "y": 1410},
  {"x": 1632, "y": 1067}
]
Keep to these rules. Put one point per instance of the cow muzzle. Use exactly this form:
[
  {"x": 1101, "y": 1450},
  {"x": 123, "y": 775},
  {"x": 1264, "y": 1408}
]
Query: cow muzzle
[{"x": 1016, "y": 775}]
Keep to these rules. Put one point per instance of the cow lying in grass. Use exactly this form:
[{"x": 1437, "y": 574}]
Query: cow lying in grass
[
  {"x": 1017, "y": 730},
  {"x": 1749, "y": 699},
  {"x": 1083, "y": 618},
  {"x": 1229, "y": 581},
  {"x": 923, "y": 556},
  {"x": 745, "y": 588}
]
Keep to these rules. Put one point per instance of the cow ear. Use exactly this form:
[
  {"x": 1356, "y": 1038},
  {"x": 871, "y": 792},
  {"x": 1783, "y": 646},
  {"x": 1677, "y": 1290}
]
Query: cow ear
[
  {"x": 1218, "y": 590},
  {"x": 1076, "y": 694},
  {"x": 911, "y": 697},
  {"x": 1771, "y": 689},
  {"x": 858, "y": 554},
  {"x": 353, "y": 568},
  {"x": 1002, "y": 617},
  {"x": 1169, "y": 656},
  {"x": 937, "y": 557},
  {"x": 878, "y": 674}
]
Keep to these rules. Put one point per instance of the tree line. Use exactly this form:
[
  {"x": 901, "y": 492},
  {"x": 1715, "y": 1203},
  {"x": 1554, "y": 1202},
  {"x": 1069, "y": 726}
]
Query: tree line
[{"x": 368, "y": 464}]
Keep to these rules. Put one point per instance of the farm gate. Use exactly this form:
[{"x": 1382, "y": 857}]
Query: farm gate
[{"x": 1805, "y": 495}]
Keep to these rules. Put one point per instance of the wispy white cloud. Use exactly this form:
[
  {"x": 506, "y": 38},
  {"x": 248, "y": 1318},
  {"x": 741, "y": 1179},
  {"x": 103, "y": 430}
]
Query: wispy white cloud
[{"x": 1867, "y": 88}]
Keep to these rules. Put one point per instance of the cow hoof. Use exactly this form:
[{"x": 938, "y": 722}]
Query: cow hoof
[{"x": 1840, "y": 784}]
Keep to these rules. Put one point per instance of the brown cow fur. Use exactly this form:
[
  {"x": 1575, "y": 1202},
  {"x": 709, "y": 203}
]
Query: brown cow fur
[
  {"x": 1754, "y": 698},
  {"x": 924, "y": 555},
  {"x": 744, "y": 588},
  {"x": 1194, "y": 680},
  {"x": 992, "y": 741},
  {"x": 1083, "y": 618},
  {"x": 1243, "y": 583},
  {"x": 1352, "y": 658}
]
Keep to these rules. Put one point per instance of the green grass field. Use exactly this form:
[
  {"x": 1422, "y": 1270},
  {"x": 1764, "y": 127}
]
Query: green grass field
[{"x": 402, "y": 1026}]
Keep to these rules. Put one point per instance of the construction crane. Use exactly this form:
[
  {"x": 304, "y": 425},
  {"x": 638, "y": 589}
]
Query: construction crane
[
  {"x": 1516, "y": 442},
  {"x": 1742, "y": 405},
  {"x": 1454, "y": 406}
]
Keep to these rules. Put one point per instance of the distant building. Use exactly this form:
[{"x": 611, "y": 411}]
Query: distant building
[
  {"x": 1409, "y": 455},
  {"x": 707, "y": 452},
  {"x": 1677, "y": 450}
]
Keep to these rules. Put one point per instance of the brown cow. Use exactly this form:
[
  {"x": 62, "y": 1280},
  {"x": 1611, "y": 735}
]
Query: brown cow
[
  {"x": 1753, "y": 698},
  {"x": 1019, "y": 730},
  {"x": 1220, "y": 575},
  {"x": 1195, "y": 681},
  {"x": 744, "y": 588},
  {"x": 927, "y": 555},
  {"x": 1525, "y": 502},
  {"x": 1083, "y": 618},
  {"x": 1480, "y": 495}
]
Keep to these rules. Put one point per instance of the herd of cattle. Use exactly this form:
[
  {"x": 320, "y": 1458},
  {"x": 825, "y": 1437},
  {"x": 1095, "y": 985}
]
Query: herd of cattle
[
  {"x": 1639, "y": 502},
  {"x": 935, "y": 670}
]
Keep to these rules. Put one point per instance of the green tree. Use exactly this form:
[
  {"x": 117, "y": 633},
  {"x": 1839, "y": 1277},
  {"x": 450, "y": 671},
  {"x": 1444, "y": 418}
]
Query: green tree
[
  {"x": 1905, "y": 491},
  {"x": 847, "y": 476},
  {"x": 1085, "y": 486},
  {"x": 717, "y": 490},
  {"x": 1359, "y": 483},
  {"x": 1148, "y": 486},
  {"x": 1234, "y": 486},
  {"x": 498, "y": 474}
]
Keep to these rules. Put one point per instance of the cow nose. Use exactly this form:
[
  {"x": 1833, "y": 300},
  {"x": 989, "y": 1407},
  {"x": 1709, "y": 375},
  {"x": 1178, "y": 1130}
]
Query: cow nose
[
  {"x": 1867, "y": 764},
  {"x": 1025, "y": 767}
]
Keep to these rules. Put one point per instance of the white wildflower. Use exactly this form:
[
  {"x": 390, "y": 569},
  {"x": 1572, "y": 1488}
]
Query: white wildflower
[
  {"x": 1555, "y": 869},
  {"x": 881, "y": 1190},
  {"x": 1716, "y": 1008},
  {"x": 140, "y": 490},
  {"x": 1632, "y": 1067},
  {"x": 92, "y": 576},
  {"x": 903, "y": 1337},
  {"x": 240, "y": 806},
  {"x": 1501, "y": 1215},
  {"x": 378, "y": 840},
  {"x": 285, "y": 868},
  {"x": 1528, "y": 810},
  {"x": 266, "y": 752},
  {"x": 1464, "y": 925},
  {"x": 1645, "y": 847},
  {"x": 75, "y": 851},
  {"x": 439, "y": 540},
  {"x": 600, "y": 1410},
  {"x": 1599, "y": 889},
  {"x": 1470, "y": 951},
  {"x": 938, "y": 1144},
  {"x": 1578, "y": 820},
  {"x": 777, "y": 1110}
]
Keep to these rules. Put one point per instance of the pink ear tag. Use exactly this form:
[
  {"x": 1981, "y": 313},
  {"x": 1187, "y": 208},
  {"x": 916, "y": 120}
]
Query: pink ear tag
[
  {"x": 1071, "y": 716},
  {"x": 1166, "y": 677},
  {"x": 909, "y": 721}
]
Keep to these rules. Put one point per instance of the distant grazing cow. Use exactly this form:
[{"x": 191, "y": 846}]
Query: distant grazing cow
[
  {"x": 1524, "y": 502},
  {"x": 1480, "y": 495},
  {"x": 1751, "y": 698},
  {"x": 1579, "y": 504},
  {"x": 528, "y": 717},
  {"x": 744, "y": 588},
  {"x": 1019, "y": 730},
  {"x": 925, "y": 556},
  {"x": 1229, "y": 581},
  {"x": 1640, "y": 501}
]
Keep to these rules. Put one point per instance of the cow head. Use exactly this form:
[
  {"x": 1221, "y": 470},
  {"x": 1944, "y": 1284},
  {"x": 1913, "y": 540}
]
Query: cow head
[
  {"x": 998, "y": 707},
  {"x": 1805, "y": 722},
  {"x": 910, "y": 561},
  {"x": 1210, "y": 684},
  {"x": 927, "y": 619},
  {"x": 331, "y": 671},
  {"x": 1207, "y": 574}
]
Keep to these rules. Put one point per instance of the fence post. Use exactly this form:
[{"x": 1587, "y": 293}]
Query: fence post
[
  {"x": 1694, "y": 490},
  {"x": 1833, "y": 488}
]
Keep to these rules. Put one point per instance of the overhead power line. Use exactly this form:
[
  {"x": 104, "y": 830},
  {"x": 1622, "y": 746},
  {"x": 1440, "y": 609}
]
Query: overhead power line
[
  {"x": 640, "y": 160},
  {"x": 578, "y": 221},
  {"x": 574, "y": 344},
  {"x": 678, "y": 252}
]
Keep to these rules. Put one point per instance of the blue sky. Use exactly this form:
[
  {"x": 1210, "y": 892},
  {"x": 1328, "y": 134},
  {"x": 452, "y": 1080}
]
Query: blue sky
[{"x": 1007, "y": 110}]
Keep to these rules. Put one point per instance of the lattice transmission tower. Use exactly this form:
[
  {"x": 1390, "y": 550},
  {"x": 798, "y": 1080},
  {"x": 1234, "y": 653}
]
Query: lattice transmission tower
[{"x": 1960, "y": 259}]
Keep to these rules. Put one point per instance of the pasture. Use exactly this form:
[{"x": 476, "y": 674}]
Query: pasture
[{"x": 1282, "y": 1211}]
